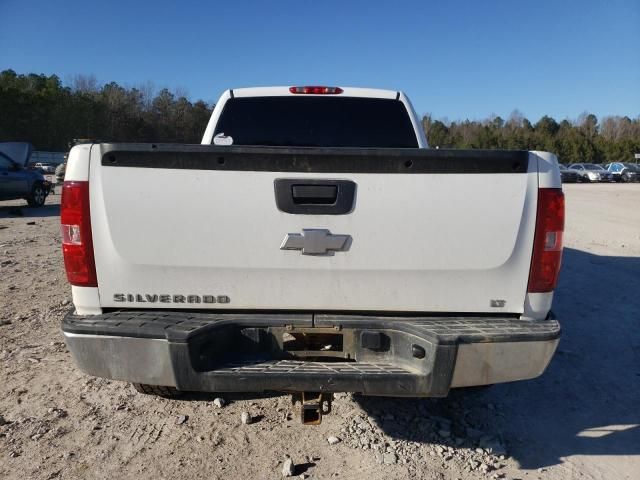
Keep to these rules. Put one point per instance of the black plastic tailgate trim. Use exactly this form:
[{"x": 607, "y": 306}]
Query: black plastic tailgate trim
[{"x": 314, "y": 160}]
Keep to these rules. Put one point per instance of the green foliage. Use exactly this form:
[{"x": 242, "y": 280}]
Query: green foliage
[
  {"x": 585, "y": 140},
  {"x": 41, "y": 110}
]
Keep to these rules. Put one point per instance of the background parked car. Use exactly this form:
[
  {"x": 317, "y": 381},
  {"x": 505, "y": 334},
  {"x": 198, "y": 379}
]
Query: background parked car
[
  {"x": 624, "y": 172},
  {"x": 16, "y": 181},
  {"x": 590, "y": 172},
  {"x": 605, "y": 175},
  {"x": 585, "y": 174},
  {"x": 59, "y": 177},
  {"x": 60, "y": 171},
  {"x": 567, "y": 175},
  {"x": 45, "y": 167}
]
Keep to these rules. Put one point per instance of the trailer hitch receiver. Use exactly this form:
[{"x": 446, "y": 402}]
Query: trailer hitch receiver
[{"x": 312, "y": 406}]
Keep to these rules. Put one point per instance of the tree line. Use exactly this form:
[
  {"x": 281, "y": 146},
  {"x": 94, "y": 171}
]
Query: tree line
[
  {"x": 586, "y": 139},
  {"x": 44, "y": 111}
]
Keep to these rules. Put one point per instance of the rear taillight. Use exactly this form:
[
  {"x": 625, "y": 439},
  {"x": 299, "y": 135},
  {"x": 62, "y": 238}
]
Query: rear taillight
[
  {"x": 316, "y": 90},
  {"x": 547, "y": 246},
  {"x": 77, "y": 244}
]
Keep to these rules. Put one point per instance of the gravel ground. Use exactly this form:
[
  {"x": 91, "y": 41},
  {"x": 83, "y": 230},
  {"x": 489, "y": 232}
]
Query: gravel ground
[{"x": 581, "y": 419}]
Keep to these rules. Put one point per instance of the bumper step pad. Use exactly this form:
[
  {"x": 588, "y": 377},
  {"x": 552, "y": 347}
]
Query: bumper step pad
[
  {"x": 180, "y": 326},
  {"x": 290, "y": 367}
]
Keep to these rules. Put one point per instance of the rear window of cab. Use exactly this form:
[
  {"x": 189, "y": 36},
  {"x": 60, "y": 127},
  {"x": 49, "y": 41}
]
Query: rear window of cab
[{"x": 317, "y": 121}]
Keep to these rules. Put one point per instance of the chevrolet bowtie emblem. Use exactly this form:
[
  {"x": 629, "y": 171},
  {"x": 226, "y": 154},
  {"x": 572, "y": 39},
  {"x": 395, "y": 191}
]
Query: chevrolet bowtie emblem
[{"x": 316, "y": 242}]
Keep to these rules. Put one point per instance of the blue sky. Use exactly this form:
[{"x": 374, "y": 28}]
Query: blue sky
[{"x": 455, "y": 59}]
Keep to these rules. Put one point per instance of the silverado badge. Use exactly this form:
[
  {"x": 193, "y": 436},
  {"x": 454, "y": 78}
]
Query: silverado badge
[{"x": 167, "y": 298}]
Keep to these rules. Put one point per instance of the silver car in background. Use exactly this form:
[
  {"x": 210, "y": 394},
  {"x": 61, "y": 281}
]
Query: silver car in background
[{"x": 590, "y": 172}]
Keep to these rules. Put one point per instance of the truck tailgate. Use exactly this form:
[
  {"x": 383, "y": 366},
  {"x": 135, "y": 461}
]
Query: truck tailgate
[{"x": 199, "y": 227}]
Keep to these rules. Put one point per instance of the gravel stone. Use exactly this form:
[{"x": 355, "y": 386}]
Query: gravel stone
[
  {"x": 219, "y": 402},
  {"x": 288, "y": 467},
  {"x": 58, "y": 412},
  {"x": 180, "y": 419},
  {"x": 245, "y": 418},
  {"x": 390, "y": 458},
  {"x": 333, "y": 440}
]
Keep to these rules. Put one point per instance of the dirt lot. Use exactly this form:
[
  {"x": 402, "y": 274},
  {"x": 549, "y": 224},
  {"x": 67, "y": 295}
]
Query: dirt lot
[{"x": 581, "y": 419}]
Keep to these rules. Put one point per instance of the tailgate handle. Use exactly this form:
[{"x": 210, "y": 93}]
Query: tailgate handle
[
  {"x": 304, "y": 196},
  {"x": 314, "y": 194}
]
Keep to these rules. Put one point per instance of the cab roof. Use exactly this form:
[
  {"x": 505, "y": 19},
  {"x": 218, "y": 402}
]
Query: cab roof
[{"x": 284, "y": 91}]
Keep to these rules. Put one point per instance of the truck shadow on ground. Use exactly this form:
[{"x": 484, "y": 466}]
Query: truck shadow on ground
[
  {"x": 586, "y": 403},
  {"x": 13, "y": 211}
]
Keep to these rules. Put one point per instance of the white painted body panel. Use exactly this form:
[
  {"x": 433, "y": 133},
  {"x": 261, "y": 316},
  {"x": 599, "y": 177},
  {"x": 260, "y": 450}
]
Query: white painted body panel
[
  {"x": 78, "y": 163},
  {"x": 421, "y": 242},
  {"x": 86, "y": 300},
  {"x": 437, "y": 242}
]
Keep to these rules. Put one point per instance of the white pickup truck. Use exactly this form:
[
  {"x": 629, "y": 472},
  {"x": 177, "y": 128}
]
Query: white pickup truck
[{"x": 313, "y": 243}]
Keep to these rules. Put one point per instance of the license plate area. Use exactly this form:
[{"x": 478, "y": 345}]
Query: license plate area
[
  {"x": 235, "y": 343},
  {"x": 322, "y": 343}
]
